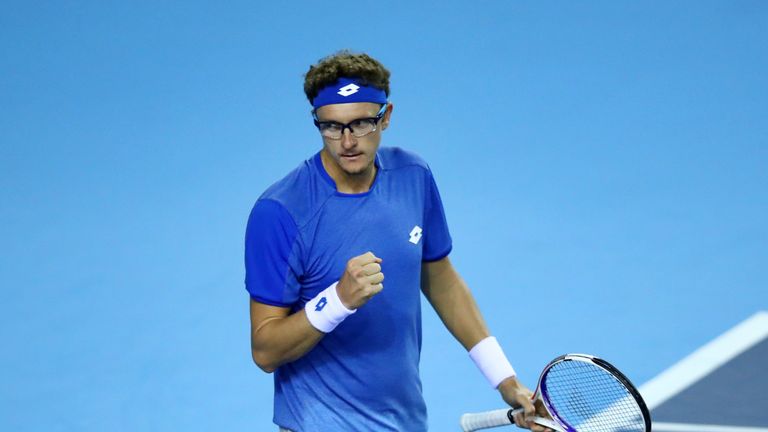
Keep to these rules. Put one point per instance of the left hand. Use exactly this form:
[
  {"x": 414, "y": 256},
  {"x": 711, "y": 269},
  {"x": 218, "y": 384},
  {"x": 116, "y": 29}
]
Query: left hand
[{"x": 517, "y": 395}]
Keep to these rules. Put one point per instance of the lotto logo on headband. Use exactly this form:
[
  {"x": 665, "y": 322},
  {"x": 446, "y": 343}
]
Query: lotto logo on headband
[{"x": 348, "y": 89}]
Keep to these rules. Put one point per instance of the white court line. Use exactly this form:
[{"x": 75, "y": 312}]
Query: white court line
[
  {"x": 705, "y": 360},
  {"x": 689, "y": 427}
]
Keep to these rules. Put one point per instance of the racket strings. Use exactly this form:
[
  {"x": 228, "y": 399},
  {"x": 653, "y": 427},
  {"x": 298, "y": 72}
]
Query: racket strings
[{"x": 591, "y": 399}]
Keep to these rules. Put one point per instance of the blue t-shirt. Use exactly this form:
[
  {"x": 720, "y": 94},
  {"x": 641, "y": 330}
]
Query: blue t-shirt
[{"x": 364, "y": 375}]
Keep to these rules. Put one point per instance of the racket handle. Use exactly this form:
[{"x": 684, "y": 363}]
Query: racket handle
[
  {"x": 500, "y": 417},
  {"x": 547, "y": 423},
  {"x": 485, "y": 420}
]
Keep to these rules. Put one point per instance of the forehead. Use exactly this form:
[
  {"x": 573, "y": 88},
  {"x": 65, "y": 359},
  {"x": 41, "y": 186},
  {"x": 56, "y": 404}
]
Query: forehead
[{"x": 347, "y": 112}]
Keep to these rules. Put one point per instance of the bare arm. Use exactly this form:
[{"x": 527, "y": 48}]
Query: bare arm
[
  {"x": 277, "y": 337},
  {"x": 450, "y": 297}
]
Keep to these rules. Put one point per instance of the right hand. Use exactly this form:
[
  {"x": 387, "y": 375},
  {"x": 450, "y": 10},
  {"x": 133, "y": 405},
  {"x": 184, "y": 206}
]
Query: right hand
[
  {"x": 361, "y": 280},
  {"x": 518, "y": 396}
]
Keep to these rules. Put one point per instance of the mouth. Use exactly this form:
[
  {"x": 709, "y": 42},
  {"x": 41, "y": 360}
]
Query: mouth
[{"x": 351, "y": 157}]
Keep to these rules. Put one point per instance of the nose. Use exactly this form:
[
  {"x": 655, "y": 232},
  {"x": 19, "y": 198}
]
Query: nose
[{"x": 348, "y": 140}]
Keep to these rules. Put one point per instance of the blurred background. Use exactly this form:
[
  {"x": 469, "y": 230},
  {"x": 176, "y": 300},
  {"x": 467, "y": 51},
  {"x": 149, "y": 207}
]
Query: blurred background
[{"x": 603, "y": 166}]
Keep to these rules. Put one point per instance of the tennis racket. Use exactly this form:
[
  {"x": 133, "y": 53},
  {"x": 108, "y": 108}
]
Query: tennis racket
[{"x": 581, "y": 393}]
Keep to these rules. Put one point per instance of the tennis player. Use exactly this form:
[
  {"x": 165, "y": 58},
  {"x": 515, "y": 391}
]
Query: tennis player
[{"x": 344, "y": 342}]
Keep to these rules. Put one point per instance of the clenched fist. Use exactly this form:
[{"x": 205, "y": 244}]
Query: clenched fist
[{"x": 361, "y": 280}]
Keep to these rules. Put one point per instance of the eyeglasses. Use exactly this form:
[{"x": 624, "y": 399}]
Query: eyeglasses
[{"x": 358, "y": 127}]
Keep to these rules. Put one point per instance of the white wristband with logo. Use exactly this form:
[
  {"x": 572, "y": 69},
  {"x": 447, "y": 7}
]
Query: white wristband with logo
[
  {"x": 326, "y": 310},
  {"x": 490, "y": 359}
]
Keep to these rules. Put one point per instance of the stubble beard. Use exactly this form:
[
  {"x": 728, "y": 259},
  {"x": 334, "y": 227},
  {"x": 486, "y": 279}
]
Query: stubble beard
[{"x": 357, "y": 170}]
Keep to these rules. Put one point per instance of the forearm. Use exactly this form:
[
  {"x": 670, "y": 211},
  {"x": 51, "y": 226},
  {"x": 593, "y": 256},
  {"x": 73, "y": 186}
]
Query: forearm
[
  {"x": 279, "y": 340},
  {"x": 454, "y": 303},
  {"x": 451, "y": 298}
]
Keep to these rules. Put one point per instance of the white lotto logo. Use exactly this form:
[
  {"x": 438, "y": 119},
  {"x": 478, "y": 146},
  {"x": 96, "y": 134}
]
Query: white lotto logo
[
  {"x": 415, "y": 235},
  {"x": 348, "y": 89}
]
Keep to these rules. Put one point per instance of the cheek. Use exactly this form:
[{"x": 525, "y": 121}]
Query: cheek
[
  {"x": 330, "y": 146},
  {"x": 374, "y": 142},
  {"x": 371, "y": 141}
]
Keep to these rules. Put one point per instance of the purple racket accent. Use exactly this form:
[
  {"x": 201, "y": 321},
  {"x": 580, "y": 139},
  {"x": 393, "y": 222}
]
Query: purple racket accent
[
  {"x": 551, "y": 409},
  {"x": 581, "y": 393},
  {"x": 586, "y": 394}
]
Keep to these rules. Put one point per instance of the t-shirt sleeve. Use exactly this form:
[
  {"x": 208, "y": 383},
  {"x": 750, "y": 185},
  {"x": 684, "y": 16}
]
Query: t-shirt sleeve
[
  {"x": 272, "y": 251},
  {"x": 437, "y": 238}
]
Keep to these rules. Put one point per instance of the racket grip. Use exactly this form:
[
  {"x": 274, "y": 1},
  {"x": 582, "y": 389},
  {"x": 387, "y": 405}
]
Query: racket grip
[
  {"x": 484, "y": 420},
  {"x": 541, "y": 421},
  {"x": 501, "y": 417}
]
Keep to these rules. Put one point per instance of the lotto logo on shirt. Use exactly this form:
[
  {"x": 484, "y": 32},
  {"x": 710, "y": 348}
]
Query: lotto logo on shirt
[{"x": 415, "y": 235}]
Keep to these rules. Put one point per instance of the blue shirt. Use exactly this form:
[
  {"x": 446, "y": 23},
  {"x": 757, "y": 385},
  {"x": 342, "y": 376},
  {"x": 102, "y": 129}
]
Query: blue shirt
[{"x": 364, "y": 375}]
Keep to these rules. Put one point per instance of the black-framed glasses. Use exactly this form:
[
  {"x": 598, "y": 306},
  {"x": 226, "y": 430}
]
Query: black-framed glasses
[{"x": 358, "y": 127}]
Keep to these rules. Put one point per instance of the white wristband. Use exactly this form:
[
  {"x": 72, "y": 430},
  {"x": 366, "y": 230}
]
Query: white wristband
[
  {"x": 491, "y": 361},
  {"x": 326, "y": 310}
]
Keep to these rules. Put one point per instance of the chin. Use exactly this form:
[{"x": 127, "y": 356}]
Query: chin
[
  {"x": 357, "y": 168},
  {"x": 355, "y": 171}
]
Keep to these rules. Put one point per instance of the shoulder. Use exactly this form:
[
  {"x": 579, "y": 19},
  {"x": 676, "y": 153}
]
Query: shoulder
[
  {"x": 396, "y": 158},
  {"x": 299, "y": 194}
]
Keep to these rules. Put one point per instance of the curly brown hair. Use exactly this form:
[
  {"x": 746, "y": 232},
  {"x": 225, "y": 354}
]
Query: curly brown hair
[{"x": 346, "y": 64}]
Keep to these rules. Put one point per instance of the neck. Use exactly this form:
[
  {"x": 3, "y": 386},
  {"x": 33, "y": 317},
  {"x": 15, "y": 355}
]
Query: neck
[{"x": 345, "y": 182}]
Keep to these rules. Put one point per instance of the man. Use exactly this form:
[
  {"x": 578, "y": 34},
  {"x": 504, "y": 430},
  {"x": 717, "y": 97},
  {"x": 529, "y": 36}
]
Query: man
[{"x": 345, "y": 349}]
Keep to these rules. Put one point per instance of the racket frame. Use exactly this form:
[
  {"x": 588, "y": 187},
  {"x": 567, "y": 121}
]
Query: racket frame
[
  {"x": 541, "y": 389},
  {"x": 557, "y": 423}
]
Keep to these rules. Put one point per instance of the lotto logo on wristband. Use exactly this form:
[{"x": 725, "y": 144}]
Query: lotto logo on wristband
[
  {"x": 326, "y": 311},
  {"x": 321, "y": 304}
]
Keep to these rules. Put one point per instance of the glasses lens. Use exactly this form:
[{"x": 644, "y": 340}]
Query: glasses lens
[
  {"x": 362, "y": 127},
  {"x": 330, "y": 130},
  {"x": 358, "y": 128}
]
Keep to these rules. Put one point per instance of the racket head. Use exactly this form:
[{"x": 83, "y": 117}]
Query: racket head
[{"x": 584, "y": 393}]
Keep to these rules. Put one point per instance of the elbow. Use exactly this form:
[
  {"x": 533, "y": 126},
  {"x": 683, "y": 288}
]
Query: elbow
[
  {"x": 263, "y": 361},
  {"x": 267, "y": 368}
]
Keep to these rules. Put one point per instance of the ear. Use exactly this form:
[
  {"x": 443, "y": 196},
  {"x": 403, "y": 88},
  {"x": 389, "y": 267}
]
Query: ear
[{"x": 387, "y": 116}]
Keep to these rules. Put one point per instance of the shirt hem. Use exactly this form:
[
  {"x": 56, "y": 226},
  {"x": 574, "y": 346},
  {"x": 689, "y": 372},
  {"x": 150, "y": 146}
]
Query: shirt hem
[
  {"x": 439, "y": 256},
  {"x": 269, "y": 302}
]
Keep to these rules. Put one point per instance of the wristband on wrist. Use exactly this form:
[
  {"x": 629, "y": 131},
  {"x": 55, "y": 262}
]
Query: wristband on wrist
[
  {"x": 490, "y": 359},
  {"x": 326, "y": 310}
]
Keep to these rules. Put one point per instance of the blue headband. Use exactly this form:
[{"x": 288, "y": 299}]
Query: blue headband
[{"x": 348, "y": 90}]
